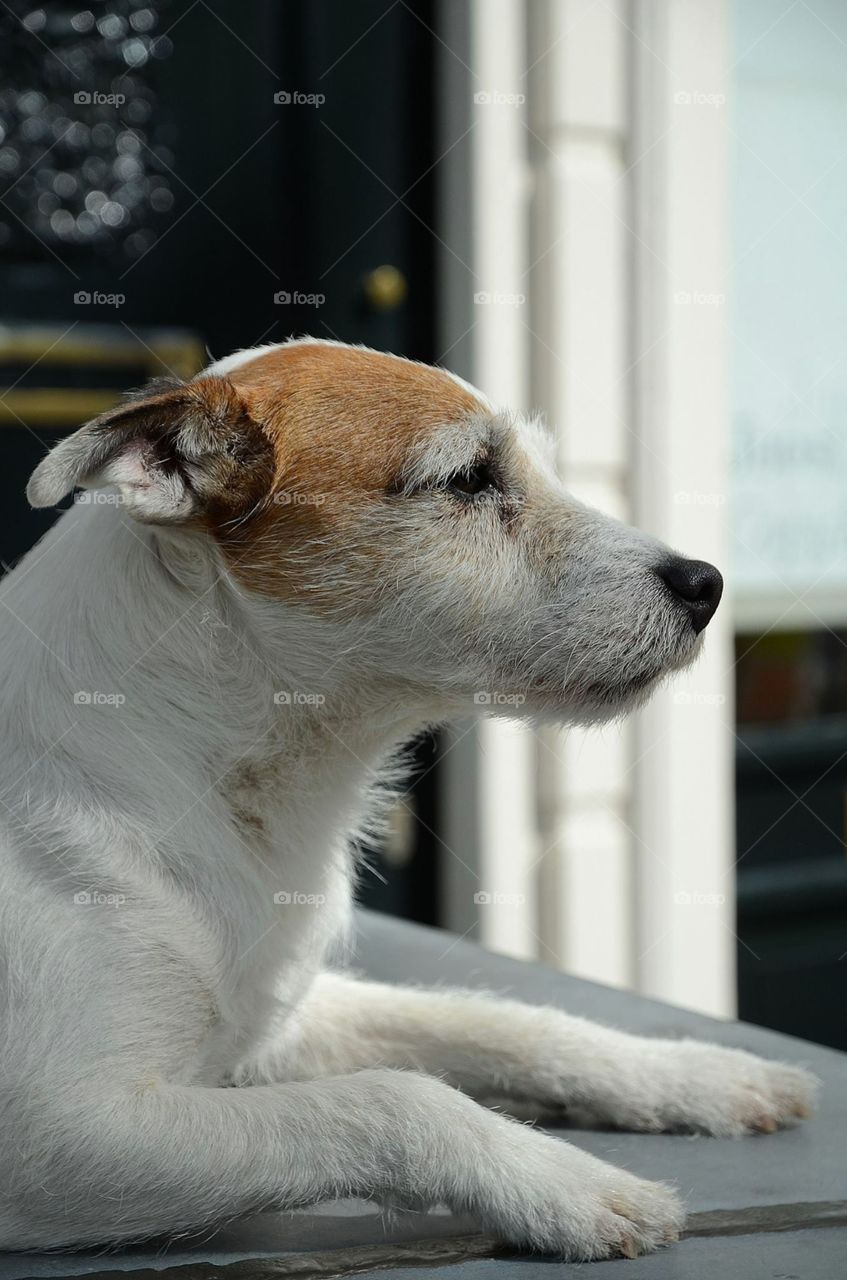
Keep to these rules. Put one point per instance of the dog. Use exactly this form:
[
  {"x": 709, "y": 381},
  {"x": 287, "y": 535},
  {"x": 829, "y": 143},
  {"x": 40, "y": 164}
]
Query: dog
[{"x": 272, "y": 575}]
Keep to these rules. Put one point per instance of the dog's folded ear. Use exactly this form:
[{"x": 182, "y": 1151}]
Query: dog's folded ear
[{"x": 176, "y": 454}]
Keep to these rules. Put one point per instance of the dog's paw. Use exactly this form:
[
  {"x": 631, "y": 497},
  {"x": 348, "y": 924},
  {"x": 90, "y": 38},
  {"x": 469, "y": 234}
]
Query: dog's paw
[
  {"x": 706, "y": 1088},
  {"x": 569, "y": 1204}
]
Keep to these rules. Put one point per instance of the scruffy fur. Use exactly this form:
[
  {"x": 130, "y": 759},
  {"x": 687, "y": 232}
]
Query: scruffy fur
[{"x": 274, "y": 575}]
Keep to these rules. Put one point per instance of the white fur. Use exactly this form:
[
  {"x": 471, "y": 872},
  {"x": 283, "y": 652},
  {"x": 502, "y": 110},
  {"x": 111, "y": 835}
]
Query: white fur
[{"x": 183, "y": 810}]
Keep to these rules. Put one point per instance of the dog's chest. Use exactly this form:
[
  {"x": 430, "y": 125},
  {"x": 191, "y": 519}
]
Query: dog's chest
[
  {"x": 284, "y": 853},
  {"x": 293, "y": 916},
  {"x": 293, "y": 799}
]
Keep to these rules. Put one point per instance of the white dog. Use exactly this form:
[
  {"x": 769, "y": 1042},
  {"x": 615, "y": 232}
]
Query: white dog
[{"x": 276, "y": 573}]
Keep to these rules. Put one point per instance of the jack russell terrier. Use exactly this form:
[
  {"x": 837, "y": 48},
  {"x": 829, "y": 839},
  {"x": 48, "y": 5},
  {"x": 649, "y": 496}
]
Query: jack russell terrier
[{"x": 275, "y": 573}]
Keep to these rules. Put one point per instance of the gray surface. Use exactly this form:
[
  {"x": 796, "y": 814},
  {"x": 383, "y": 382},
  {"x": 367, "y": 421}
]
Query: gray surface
[
  {"x": 744, "y": 1194},
  {"x": 804, "y": 1164},
  {"x": 798, "y": 1255},
  {"x": 354, "y": 1233}
]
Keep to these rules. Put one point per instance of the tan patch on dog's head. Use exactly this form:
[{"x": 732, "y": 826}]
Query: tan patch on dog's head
[
  {"x": 342, "y": 421},
  {"x": 280, "y": 457}
]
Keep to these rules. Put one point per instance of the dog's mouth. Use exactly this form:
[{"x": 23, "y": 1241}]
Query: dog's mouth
[{"x": 593, "y": 655}]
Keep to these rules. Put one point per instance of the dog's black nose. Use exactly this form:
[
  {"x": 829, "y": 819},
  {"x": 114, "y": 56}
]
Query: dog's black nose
[{"x": 696, "y": 584}]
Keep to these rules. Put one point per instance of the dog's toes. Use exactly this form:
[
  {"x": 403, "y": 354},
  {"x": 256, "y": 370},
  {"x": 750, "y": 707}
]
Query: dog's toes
[
  {"x": 706, "y": 1088},
  {"x": 649, "y": 1216},
  {"x": 766, "y": 1096},
  {"x": 793, "y": 1091},
  {"x": 579, "y": 1209}
]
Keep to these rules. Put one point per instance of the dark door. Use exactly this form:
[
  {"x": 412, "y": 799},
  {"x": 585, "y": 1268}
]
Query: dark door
[{"x": 177, "y": 177}]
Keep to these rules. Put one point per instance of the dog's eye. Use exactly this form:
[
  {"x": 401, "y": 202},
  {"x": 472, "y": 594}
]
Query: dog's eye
[{"x": 480, "y": 478}]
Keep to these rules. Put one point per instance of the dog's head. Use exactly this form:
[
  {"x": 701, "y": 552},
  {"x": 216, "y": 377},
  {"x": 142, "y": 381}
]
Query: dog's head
[{"x": 393, "y": 502}]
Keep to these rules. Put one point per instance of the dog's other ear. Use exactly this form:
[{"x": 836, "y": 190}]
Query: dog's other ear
[{"x": 181, "y": 454}]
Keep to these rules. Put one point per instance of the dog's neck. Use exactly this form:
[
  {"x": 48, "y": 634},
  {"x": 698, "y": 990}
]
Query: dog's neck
[
  {"x": 212, "y": 679},
  {"x": 200, "y": 779}
]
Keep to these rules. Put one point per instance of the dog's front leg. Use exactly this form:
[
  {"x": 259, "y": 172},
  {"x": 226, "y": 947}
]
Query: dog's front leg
[
  {"x": 489, "y": 1047},
  {"x": 166, "y": 1159}
]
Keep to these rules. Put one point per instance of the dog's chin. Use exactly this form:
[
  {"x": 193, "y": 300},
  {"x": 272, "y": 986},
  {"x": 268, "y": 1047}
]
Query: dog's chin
[
  {"x": 596, "y": 703},
  {"x": 603, "y": 699},
  {"x": 601, "y": 703}
]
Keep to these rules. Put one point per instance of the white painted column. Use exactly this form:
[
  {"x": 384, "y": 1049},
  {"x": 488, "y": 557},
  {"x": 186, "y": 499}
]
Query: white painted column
[
  {"x": 685, "y": 945},
  {"x": 602, "y": 200},
  {"x": 489, "y": 816},
  {"x": 579, "y": 288}
]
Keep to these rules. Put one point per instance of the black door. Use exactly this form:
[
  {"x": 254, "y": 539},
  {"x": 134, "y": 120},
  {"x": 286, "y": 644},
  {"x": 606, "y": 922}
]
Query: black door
[{"x": 177, "y": 177}]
